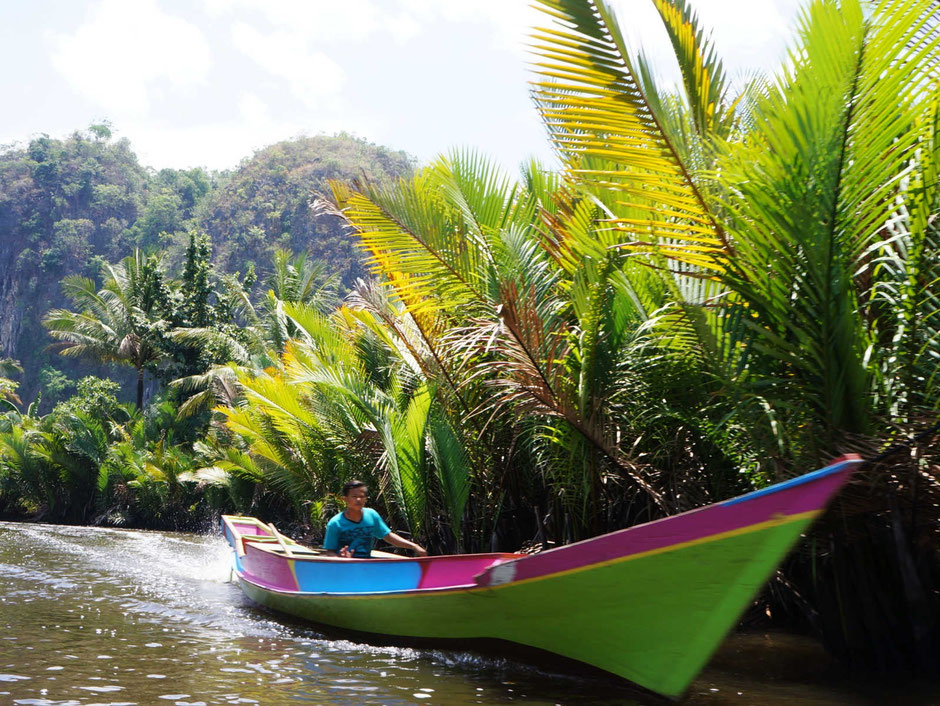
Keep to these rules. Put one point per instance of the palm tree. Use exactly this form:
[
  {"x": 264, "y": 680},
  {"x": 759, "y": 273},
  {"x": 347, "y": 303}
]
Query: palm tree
[
  {"x": 24, "y": 475},
  {"x": 743, "y": 281},
  {"x": 116, "y": 324},
  {"x": 267, "y": 328},
  {"x": 518, "y": 284},
  {"x": 795, "y": 220},
  {"x": 323, "y": 415},
  {"x": 295, "y": 279}
]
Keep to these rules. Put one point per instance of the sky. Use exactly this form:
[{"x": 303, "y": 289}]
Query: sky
[{"x": 208, "y": 82}]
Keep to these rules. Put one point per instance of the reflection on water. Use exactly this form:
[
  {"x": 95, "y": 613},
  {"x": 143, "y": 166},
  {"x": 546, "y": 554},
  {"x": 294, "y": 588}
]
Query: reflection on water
[{"x": 100, "y": 616}]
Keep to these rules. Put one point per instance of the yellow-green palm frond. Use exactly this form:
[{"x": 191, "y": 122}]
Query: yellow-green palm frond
[
  {"x": 478, "y": 189},
  {"x": 236, "y": 350},
  {"x": 413, "y": 235},
  {"x": 897, "y": 70},
  {"x": 280, "y": 399},
  {"x": 318, "y": 332},
  {"x": 8, "y": 391},
  {"x": 702, "y": 73},
  {"x": 606, "y": 129},
  {"x": 9, "y": 366},
  {"x": 906, "y": 301},
  {"x": 370, "y": 308},
  {"x": 217, "y": 386}
]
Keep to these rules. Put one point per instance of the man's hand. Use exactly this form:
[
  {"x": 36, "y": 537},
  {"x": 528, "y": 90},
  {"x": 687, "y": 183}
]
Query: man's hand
[
  {"x": 397, "y": 541},
  {"x": 345, "y": 553}
]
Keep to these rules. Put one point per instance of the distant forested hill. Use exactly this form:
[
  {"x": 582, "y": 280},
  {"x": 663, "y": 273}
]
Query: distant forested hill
[
  {"x": 266, "y": 202},
  {"x": 69, "y": 205}
]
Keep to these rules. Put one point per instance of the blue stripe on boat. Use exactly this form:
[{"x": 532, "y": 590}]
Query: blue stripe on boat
[
  {"x": 799, "y": 480},
  {"x": 357, "y": 576},
  {"x": 238, "y": 562},
  {"x": 231, "y": 541}
]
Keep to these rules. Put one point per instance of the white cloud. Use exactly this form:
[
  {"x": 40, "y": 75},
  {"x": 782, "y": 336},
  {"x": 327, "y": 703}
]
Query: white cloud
[
  {"x": 748, "y": 36},
  {"x": 127, "y": 50},
  {"x": 311, "y": 75},
  {"x": 253, "y": 110},
  {"x": 357, "y": 21},
  {"x": 403, "y": 28},
  {"x": 318, "y": 21},
  {"x": 509, "y": 23}
]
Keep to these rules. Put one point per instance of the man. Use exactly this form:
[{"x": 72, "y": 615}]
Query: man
[{"x": 352, "y": 532}]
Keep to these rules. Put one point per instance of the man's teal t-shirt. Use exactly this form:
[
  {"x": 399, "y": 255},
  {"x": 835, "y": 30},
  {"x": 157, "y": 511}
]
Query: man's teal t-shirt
[{"x": 358, "y": 536}]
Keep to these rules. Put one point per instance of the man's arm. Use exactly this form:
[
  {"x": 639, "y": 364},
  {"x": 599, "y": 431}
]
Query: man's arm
[{"x": 394, "y": 539}]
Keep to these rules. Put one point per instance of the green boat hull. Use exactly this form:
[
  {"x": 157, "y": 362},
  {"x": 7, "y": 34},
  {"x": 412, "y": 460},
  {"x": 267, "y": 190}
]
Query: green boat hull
[{"x": 670, "y": 607}]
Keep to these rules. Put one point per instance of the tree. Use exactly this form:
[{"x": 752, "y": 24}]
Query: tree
[
  {"x": 65, "y": 205},
  {"x": 802, "y": 253},
  {"x": 516, "y": 292},
  {"x": 792, "y": 215},
  {"x": 117, "y": 324},
  {"x": 343, "y": 402},
  {"x": 294, "y": 279},
  {"x": 196, "y": 287}
]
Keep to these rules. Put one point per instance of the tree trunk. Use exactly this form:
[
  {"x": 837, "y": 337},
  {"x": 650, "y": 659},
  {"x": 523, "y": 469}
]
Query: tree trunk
[{"x": 140, "y": 389}]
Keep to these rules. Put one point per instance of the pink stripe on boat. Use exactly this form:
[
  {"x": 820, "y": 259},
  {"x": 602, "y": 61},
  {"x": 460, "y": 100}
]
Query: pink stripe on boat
[
  {"x": 269, "y": 570},
  {"x": 786, "y": 499},
  {"x": 459, "y": 570}
]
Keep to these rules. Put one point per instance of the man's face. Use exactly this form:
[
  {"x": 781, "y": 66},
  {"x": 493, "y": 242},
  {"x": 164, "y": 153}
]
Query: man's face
[{"x": 356, "y": 498}]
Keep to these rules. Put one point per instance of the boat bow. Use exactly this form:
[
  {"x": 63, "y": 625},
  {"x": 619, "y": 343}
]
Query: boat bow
[{"x": 649, "y": 603}]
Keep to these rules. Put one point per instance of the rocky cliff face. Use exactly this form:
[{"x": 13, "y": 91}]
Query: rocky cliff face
[
  {"x": 65, "y": 205},
  {"x": 16, "y": 191},
  {"x": 10, "y": 312}
]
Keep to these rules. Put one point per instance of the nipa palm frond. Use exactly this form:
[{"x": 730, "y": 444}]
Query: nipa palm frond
[
  {"x": 413, "y": 235},
  {"x": 607, "y": 130},
  {"x": 702, "y": 73}
]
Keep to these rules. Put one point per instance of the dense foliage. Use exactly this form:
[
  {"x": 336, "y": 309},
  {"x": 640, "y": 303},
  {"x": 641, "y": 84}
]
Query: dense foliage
[
  {"x": 267, "y": 202},
  {"x": 68, "y": 207},
  {"x": 717, "y": 290}
]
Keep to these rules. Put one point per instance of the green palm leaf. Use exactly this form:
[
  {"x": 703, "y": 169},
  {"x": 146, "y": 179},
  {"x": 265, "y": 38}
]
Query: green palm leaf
[
  {"x": 594, "y": 107},
  {"x": 702, "y": 73},
  {"x": 817, "y": 186}
]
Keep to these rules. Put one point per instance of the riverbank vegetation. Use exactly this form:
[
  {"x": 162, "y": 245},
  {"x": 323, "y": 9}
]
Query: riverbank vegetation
[{"x": 720, "y": 288}]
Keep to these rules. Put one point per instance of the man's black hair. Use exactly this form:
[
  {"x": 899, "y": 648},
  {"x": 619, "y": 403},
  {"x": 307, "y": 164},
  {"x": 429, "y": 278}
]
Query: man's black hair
[{"x": 352, "y": 485}]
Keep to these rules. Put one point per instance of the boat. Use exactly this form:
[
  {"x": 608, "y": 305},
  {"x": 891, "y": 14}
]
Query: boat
[{"x": 649, "y": 603}]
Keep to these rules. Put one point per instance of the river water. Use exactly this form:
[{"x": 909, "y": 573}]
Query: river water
[{"x": 103, "y": 616}]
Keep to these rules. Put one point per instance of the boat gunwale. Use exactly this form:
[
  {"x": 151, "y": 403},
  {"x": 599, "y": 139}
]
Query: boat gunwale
[
  {"x": 836, "y": 465},
  {"x": 272, "y": 549},
  {"x": 719, "y": 536},
  {"x": 268, "y": 544}
]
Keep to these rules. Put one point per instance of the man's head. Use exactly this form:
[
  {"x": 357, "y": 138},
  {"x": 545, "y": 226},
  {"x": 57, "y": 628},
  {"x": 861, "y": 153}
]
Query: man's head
[
  {"x": 351, "y": 485},
  {"x": 355, "y": 495}
]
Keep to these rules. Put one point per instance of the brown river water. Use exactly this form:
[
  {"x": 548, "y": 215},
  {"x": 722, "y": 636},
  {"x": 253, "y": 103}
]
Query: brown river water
[{"x": 104, "y": 616}]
